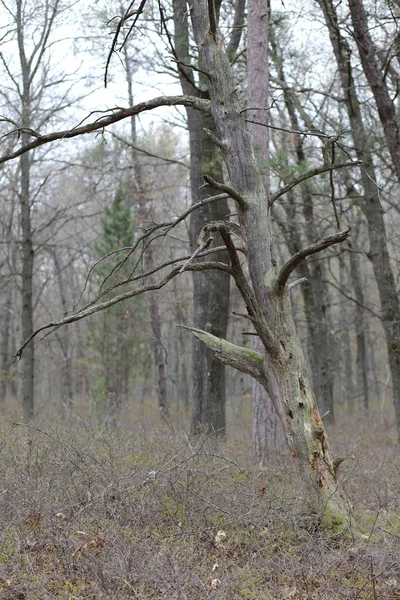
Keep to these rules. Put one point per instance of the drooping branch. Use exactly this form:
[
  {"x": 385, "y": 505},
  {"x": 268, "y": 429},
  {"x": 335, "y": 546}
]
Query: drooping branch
[
  {"x": 308, "y": 175},
  {"x": 243, "y": 359},
  {"x": 95, "y": 308},
  {"x": 301, "y": 255},
  {"x": 117, "y": 114}
]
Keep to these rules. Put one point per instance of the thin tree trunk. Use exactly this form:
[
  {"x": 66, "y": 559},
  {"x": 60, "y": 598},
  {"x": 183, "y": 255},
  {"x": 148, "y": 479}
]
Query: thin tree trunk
[
  {"x": 28, "y": 360},
  {"x": 361, "y": 360},
  {"x": 5, "y": 347},
  {"x": 159, "y": 354},
  {"x": 64, "y": 340},
  {"x": 369, "y": 203},
  {"x": 347, "y": 362}
]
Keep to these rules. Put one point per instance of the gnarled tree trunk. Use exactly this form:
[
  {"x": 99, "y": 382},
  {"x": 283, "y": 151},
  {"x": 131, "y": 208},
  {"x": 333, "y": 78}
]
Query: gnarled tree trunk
[{"x": 281, "y": 368}]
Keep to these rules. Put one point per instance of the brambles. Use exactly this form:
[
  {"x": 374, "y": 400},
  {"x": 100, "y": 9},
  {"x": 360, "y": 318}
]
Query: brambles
[{"x": 99, "y": 513}]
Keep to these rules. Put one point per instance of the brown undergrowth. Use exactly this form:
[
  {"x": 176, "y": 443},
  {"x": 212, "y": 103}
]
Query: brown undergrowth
[{"x": 104, "y": 512}]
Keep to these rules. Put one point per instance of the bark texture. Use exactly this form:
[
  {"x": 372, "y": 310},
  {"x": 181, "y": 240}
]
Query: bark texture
[
  {"x": 284, "y": 372},
  {"x": 266, "y": 426},
  {"x": 375, "y": 77},
  {"x": 210, "y": 290}
]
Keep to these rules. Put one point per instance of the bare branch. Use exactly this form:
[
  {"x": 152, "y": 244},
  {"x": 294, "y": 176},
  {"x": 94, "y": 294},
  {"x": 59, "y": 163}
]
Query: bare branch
[
  {"x": 298, "y": 282},
  {"x": 118, "y": 114},
  {"x": 227, "y": 189},
  {"x": 301, "y": 255},
  {"x": 86, "y": 312},
  {"x": 172, "y": 161},
  {"x": 317, "y": 171}
]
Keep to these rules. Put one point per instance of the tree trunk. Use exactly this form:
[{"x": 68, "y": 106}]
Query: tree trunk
[
  {"x": 211, "y": 290},
  {"x": 266, "y": 426},
  {"x": 64, "y": 340},
  {"x": 282, "y": 370},
  {"x": 361, "y": 360},
  {"x": 375, "y": 77},
  {"x": 5, "y": 346},
  {"x": 369, "y": 203},
  {"x": 28, "y": 361},
  {"x": 159, "y": 354},
  {"x": 347, "y": 388}
]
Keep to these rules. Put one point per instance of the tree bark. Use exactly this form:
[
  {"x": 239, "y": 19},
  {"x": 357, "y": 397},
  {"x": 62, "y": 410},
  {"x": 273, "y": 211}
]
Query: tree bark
[
  {"x": 266, "y": 426},
  {"x": 347, "y": 388},
  {"x": 282, "y": 371},
  {"x": 211, "y": 290},
  {"x": 5, "y": 346},
  {"x": 373, "y": 73},
  {"x": 369, "y": 203}
]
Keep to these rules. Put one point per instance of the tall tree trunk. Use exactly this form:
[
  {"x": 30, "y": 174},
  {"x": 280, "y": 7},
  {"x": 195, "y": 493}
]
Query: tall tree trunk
[
  {"x": 361, "y": 334},
  {"x": 282, "y": 370},
  {"x": 158, "y": 349},
  {"x": 266, "y": 426},
  {"x": 5, "y": 355},
  {"x": 375, "y": 77},
  {"x": 347, "y": 362},
  {"x": 28, "y": 361},
  {"x": 211, "y": 290},
  {"x": 369, "y": 203},
  {"x": 64, "y": 339}
]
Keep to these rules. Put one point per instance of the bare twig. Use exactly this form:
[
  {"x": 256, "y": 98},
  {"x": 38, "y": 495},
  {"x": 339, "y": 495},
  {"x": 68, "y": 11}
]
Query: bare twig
[{"x": 317, "y": 171}]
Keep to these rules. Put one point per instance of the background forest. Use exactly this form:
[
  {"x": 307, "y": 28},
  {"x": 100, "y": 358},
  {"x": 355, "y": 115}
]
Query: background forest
[{"x": 135, "y": 463}]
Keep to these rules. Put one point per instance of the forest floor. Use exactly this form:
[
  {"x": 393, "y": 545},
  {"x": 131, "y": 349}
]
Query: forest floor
[{"x": 90, "y": 512}]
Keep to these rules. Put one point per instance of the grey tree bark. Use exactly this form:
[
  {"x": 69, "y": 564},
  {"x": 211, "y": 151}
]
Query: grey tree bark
[
  {"x": 369, "y": 202},
  {"x": 28, "y": 365},
  {"x": 347, "y": 387},
  {"x": 67, "y": 392},
  {"x": 31, "y": 55},
  {"x": 282, "y": 369},
  {"x": 210, "y": 290},
  {"x": 376, "y": 79}
]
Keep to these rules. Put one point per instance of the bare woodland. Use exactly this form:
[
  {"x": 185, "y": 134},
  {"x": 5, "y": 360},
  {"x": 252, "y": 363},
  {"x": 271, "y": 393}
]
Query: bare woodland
[{"x": 199, "y": 265}]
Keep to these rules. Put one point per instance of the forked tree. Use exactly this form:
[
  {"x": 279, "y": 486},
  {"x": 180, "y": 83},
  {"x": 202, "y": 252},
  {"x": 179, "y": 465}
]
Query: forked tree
[{"x": 280, "y": 366}]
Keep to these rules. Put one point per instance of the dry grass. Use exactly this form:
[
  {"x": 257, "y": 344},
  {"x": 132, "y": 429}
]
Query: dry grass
[{"x": 89, "y": 512}]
